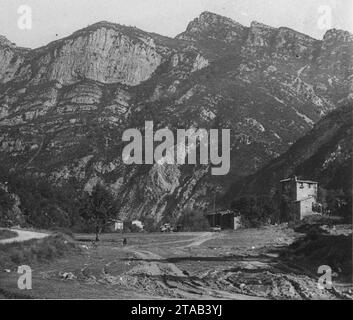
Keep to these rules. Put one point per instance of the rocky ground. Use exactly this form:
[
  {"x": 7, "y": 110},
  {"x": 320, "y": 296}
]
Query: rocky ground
[{"x": 248, "y": 264}]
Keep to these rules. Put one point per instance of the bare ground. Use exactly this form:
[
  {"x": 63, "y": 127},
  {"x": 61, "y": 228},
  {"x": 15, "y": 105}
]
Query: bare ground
[{"x": 246, "y": 264}]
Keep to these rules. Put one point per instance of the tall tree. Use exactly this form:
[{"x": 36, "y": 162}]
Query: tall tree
[
  {"x": 98, "y": 208},
  {"x": 6, "y": 203}
]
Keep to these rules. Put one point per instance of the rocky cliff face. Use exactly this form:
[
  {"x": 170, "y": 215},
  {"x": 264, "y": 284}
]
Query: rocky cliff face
[
  {"x": 64, "y": 107},
  {"x": 11, "y": 58},
  {"x": 102, "y": 52}
]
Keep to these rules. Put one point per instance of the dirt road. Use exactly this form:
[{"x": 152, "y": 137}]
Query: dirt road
[
  {"x": 23, "y": 235},
  {"x": 168, "y": 279},
  {"x": 201, "y": 239}
]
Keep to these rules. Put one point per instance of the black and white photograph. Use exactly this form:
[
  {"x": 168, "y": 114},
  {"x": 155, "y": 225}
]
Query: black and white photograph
[{"x": 189, "y": 152}]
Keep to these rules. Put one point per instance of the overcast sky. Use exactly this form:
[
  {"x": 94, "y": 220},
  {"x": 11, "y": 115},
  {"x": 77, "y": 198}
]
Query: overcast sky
[{"x": 53, "y": 19}]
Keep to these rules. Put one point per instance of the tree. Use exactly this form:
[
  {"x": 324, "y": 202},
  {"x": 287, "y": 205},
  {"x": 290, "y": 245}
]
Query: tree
[
  {"x": 149, "y": 223},
  {"x": 6, "y": 204},
  {"x": 257, "y": 210},
  {"x": 337, "y": 202},
  {"x": 285, "y": 208},
  {"x": 98, "y": 208}
]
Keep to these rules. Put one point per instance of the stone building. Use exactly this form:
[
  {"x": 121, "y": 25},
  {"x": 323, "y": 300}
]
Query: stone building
[{"x": 299, "y": 199}]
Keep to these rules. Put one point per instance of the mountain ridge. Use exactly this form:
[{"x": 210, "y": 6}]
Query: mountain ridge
[
  {"x": 104, "y": 23},
  {"x": 64, "y": 106}
]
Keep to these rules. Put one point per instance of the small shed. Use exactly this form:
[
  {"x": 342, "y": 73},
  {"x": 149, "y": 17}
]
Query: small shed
[{"x": 116, "y": 225}]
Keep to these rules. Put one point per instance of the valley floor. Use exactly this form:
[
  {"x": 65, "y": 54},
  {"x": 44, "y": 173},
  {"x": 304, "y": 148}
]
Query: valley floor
[{"x": 245, "y": 264}]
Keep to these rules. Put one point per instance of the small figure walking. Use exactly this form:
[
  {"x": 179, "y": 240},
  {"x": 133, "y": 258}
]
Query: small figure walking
[{"x": 125, "y": 242}]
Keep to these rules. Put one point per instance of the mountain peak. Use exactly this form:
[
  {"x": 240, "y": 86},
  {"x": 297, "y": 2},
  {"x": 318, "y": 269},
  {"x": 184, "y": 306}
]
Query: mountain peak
[
  {"x": 259, "y": 25},
  {"x": 210, "y": 17},
  {"x": 338, "y": 35},
  {"x": 5, "y": 42},
  {"x": 109, "y": 25},
  {"x": 213, "y": 26}
]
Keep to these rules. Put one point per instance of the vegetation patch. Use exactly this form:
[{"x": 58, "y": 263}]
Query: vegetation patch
[
  {"x": 194, "y": 221},
  {"x": 7, "y": 234},
  {"x": 315, "y": 250},
  {"x": 29, "y": 252}
]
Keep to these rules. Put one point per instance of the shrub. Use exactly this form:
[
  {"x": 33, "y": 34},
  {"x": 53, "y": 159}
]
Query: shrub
[
  {"x": 43, "y": 250},
  {"x": 135, "y": 229},
  {"x": 7, "y": 234},
  {"x": 66, "y": 231},
  {"x": 257, "y": 211},
  {"x": 150, "y": 224}
]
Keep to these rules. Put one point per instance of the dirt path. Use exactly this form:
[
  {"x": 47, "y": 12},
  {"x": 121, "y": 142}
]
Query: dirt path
[
  {"x": 198, "y": 241},
  {"x": 169, "y": 280},
  {"x": 192, "y": 242},
  {"x": 23, "y": 235}
]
